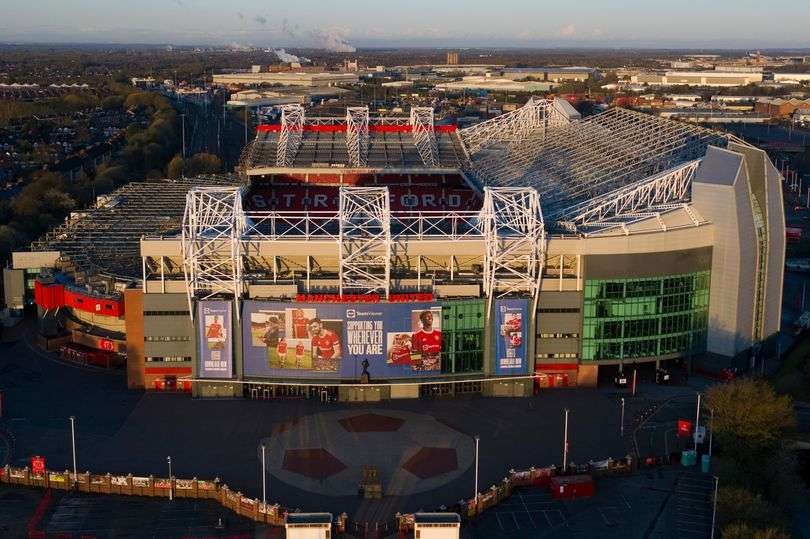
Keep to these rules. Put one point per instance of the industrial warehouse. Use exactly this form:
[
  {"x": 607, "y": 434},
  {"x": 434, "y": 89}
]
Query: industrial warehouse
[{"x": 365, "y": 258}]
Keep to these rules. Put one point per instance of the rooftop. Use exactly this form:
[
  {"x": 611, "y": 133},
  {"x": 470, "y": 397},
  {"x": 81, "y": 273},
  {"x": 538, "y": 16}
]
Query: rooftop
[{"x": 573, "y": 162}]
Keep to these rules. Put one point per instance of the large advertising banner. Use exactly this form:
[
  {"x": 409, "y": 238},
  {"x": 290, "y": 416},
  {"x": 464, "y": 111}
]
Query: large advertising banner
[
  {"x": 216, "y": 340},
  {"x": 314, "y": 340},
  {"x": 511, "y": 336}
]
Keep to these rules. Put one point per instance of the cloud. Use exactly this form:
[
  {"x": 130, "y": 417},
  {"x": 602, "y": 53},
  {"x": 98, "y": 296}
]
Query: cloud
[
  {"x": 331, "y": 39},
  {"x": 178, "y": 2},
  {"x": 568, "y": 30},
  {"x": 260, "y": 19}
]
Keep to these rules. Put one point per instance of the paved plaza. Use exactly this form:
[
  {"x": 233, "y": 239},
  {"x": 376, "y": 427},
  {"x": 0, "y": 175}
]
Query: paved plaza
[{"x": 315, "y": 452}]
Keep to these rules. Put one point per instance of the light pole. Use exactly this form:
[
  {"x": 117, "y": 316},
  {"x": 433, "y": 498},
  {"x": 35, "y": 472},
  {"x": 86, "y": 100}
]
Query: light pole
[
  {"x": 475, "y": 497},
  {"x": 264, "y": 478},
  {"x": 711, "y": 430},
  {"x": 565, "y": 443},
  {"x": 183, "y": 118},
  {"x": 73, "y": 445},
  {"x": 697, "y": 422},
  {"x": 621, "y": 429},
  {"x": 714, "y": 508},
  {"x": 171, "y": 487}
]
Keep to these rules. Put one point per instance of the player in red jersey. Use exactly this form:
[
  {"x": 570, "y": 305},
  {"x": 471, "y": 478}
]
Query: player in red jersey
[
  {"x": 299, "y": 354},
  {"x": 281, "y": 352},
  {"x": 428, "y": 343},
  {"x": 515, "y": 339},
  {"x": 300, "y": 324},
  {"x": 214, "y": 329},
  {"x": 325, "y": 346},
  {"x": 515, "y": 322},
  {"x": 400, "y": 352}
]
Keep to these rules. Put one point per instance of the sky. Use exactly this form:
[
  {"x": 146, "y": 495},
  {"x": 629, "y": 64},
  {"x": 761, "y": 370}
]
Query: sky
[{"x": 345, "y": 24}]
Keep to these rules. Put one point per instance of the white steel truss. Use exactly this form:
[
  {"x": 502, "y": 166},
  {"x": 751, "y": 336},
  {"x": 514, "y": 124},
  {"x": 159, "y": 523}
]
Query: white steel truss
[
  {"x": 514, "y": 235},
  {"x": 660, "y": 193},
  {"x": 513, "y": 126},
  {"x": 292, "y": 127},
  {"x": 213, "y": 226},
  {"x": 365, "y": 240},
  {"x": 357, "y": 135},
  {"x": 423, "y": 135}
]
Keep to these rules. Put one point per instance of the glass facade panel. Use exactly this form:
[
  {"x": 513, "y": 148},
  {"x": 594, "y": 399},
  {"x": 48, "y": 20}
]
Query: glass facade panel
[{"x": 635, "y": 318}]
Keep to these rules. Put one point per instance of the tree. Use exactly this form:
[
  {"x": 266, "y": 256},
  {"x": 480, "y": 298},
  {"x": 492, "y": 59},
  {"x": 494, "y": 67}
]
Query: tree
[
  {"x": 175, "y": 167},
  {"x": 203, "y": 163},
  {"x": 744, "y": 531},
  {"x": 740, "y": 505},
  {"x": 750, "y": 412}
]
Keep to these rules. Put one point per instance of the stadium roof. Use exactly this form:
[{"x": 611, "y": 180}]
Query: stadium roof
[
  {"x": 573, "y": 163},
  {"x": 105, "y": 239},
  {"x": 354, "y": 141}
]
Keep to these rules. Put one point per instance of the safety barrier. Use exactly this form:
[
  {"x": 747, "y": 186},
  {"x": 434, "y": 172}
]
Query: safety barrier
[
  {"x": 130, "y": 485},
  {"x": 273, "y": 514}
]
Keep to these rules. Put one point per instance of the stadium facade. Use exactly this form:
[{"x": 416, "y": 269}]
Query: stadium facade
[{"x": 530, "y": 249}]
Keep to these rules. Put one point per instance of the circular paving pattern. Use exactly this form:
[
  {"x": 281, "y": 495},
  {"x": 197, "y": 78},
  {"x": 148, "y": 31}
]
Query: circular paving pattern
[{"x": 325, "y": 453}]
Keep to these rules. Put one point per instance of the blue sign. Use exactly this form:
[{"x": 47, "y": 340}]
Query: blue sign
[
  {"x": 216, "y": 340},
  {"x": 314, "y": 340},
  {"x": 511, "y": 336}
]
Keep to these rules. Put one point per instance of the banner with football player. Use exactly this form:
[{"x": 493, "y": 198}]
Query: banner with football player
[
  {"x": 511, "y": 333},
  {"x": 216, "y": 345},
  {"x": 313, "y": 340}
]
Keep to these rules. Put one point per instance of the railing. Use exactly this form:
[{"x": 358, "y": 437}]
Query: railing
[
  {"x": 129, "y": 485},
  {"x": 320, "y": 225}
]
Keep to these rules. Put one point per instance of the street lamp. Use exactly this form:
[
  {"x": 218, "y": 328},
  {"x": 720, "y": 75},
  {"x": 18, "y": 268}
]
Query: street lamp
[
  {"x": 697, "y": 421},
  {"x": 714, "y": 508},
  {"x": 264, "y": 478},
  {"x": 621, "y": 429},
  {"x": 73, "y": 445},
  {"x": 171, "y": 489},
  {"x": 565, "y": 444},
  {"x": 711, "y": 430},
  {"x": 475, "y": 497}
]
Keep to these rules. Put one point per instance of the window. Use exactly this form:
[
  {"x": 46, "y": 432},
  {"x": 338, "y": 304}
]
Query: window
[{"x": 633, "y": 318}]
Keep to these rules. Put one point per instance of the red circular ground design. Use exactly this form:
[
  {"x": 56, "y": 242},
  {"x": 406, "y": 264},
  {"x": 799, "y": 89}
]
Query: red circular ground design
[
  {"x": 317, "y": 463},
  {"x": 371, "y": 423},
  {"x": 432, "y": 461}
]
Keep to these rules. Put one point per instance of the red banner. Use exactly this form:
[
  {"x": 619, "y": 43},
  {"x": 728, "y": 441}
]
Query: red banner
[
  {"x": 38, "y": 466},
  {"x": 684, "y": 428}
]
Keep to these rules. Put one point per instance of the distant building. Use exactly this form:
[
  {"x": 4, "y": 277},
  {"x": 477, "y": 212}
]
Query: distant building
[
  {"x": 496, "y": 84},
  {"x": 553, "y": 74},
  {"x": 791, "y": 78},
  {"x": 452, "y": 58},
  {"x": 698, "y": 78},
  {"x": 285, "y": 79},
  {"x": 146, "y": 82},
  {"x": 780, "y": 108}
]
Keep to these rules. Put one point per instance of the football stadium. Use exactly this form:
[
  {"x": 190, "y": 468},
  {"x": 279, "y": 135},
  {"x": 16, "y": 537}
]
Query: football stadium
[{"x": 363, "y": 258}]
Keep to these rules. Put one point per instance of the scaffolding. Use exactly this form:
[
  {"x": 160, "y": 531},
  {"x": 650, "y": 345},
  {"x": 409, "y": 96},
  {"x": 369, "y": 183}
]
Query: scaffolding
[
  {"x": 515, "y": 239},
  {"x": 423, "y": 135},
  {"x": 213, "y": 229},
  {"x": 357, "y": 135},
  {"x": 292, "y": 127},
  {"x": 365, "y": 240}
]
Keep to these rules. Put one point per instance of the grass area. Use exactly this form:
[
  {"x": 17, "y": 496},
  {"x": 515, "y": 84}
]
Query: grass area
[{"x": 793, "y": 378}]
